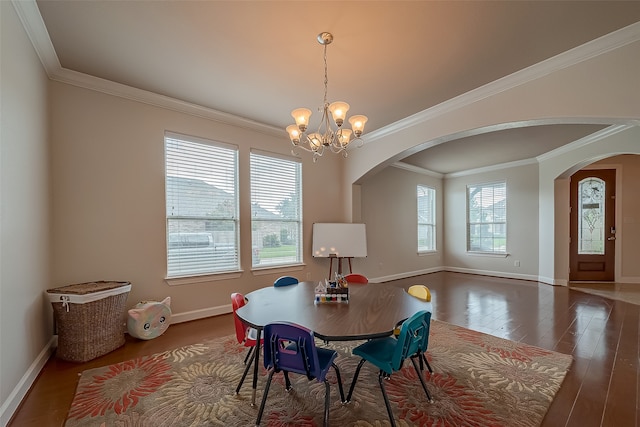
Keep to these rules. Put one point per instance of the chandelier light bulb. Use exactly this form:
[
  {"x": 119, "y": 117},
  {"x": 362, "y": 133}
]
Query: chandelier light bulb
[
  {"x": 315, "y": 140},
  {"x": 357, "y": 124},
  {"x": 294, "y": 134},
  {"x": 344, "y": 136},
  {"x": 338, "y": 111},
  {"x": 301, "y": 116}
]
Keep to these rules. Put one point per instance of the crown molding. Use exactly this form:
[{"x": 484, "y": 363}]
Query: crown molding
[
  {"x": 584, "y": 52},
  {"x": 33, "y": 24},
  {"x": 582, "y": 142},
  {"x": 31, "y": 19},
  {"x": 492, "y": 168},
  {"x": 589, "y": 139},
  {"x": 123, "y": 91},
  {"x": 416, "y": 169}
]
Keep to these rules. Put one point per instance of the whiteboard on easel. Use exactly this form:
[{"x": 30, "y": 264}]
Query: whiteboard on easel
[{"x": 342, "y": 240}]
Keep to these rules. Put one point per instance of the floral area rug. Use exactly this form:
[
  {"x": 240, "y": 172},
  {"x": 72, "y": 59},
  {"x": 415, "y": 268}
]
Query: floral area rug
[{"x": 478, "y": 380}]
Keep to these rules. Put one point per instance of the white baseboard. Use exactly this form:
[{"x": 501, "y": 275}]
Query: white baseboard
[
  {"x": 554, "y": 282},
  {"x": 501, "y": 274},
  {"x": 405, "y": 275},
  {"x": 10, "y": 405},
  {"x": 629, "y": 279},
  {"x": 200, "y": 314}
]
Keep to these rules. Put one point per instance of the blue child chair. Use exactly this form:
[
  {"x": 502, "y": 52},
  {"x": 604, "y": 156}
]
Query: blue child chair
[
  {"x": 388, "y": 354},
  {"x": 285, "y": 281},
  {"x": 291, "y": 348}
]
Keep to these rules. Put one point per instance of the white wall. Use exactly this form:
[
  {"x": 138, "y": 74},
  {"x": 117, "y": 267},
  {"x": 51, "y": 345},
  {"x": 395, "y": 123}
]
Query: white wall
[
  {"x": 522, "y": 223},
  {"x": 109, "y": 211},
  {"x": 25, "y": 320},
  {"x": 389, "y": 209}
]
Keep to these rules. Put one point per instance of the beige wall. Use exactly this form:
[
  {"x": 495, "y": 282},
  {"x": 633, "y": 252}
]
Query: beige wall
[
  {"x": 389, "y": 210},
  {"x": 109, "y": 212},
  {"x": 84, "y": 200},
  {"x": 522, "y": 223},
  {"x": 629, "y": 226},
  {"x": 25, "y": 319}
]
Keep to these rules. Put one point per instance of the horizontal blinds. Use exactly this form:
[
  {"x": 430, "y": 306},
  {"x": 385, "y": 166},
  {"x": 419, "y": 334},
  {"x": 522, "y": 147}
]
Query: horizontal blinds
[
  {"x": 487, "y": 217},
  {"x": 201, "y": 180},
  {"x": 276, "y": 210},
  {"x": 426, "y": 218},
  {"x": 275, "y": 188},
  {"x": 201, "y": 206}
]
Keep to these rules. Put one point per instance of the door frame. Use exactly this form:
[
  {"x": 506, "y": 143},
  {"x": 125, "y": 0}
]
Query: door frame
[{"x": 618, "y": 217}]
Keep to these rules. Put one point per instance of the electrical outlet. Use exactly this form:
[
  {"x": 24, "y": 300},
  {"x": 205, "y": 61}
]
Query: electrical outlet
[
  {"x": 516, "y": 263},
  {"x": 308, "y": 276}
]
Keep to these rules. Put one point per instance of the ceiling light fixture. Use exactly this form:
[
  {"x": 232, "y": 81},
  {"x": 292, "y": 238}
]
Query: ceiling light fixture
[{"x": 335, "y": 138}]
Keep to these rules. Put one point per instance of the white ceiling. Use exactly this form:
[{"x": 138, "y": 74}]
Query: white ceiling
[{"x": 389, "y": 59}]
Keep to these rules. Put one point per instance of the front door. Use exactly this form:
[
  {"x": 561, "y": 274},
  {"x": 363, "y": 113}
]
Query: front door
[{"x": 592, "y": 246}]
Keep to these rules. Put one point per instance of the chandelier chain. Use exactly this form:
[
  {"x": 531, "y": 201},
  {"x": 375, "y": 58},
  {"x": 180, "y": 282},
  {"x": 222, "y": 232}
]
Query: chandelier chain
[{"x": 326, "y": 77}]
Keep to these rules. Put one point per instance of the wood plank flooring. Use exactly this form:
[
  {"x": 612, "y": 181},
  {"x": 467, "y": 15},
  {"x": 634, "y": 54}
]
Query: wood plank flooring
[{"x": 601, "y": 388}]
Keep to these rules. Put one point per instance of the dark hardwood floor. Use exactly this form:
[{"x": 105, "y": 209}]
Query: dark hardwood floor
[{"x": 602, "y": 335}]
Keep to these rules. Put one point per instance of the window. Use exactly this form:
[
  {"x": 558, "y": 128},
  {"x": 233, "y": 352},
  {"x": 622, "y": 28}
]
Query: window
[
  {"x": 276, "y": 210},
  {"x": 201, "y": 182},
  {"x": 487, "y": 218},
  {"x": 426, "y": 219}
]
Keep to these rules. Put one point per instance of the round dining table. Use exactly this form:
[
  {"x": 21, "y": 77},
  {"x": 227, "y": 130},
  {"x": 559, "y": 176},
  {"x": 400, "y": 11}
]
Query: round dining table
[{"x": 373, "y": 310}]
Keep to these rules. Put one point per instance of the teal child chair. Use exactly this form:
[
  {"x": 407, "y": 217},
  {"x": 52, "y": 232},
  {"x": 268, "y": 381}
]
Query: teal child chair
[{"x": 388, "y": 354}]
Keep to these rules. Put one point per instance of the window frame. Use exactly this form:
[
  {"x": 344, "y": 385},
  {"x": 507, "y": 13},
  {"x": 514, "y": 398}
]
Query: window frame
[
  {"x": 221, "y": 255},
  {"x": 430, "y": 214},
  {"x": 501, "y": 225},
  {"x": 257, "y": 241}
]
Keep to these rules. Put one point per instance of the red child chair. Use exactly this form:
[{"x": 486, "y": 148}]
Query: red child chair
[{"x": 246, "y": 335}]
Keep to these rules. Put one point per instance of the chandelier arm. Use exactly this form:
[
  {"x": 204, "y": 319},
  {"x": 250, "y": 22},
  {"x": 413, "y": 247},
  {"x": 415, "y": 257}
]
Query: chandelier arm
[{"x": 336, "y": 148}]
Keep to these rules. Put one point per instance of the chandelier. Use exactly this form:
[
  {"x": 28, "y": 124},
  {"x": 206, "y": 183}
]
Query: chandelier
[{"x": 330, "y": 133}]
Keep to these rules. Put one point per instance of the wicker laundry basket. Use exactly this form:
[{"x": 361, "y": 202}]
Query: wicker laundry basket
[{"x": 89, "y": 318}]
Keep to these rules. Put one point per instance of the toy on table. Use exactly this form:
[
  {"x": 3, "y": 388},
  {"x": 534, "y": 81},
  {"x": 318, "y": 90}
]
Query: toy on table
[{"x": 336, "y": 291}]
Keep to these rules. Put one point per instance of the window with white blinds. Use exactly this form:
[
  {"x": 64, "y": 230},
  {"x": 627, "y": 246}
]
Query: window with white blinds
[
  {"x": 201, "y": 182},
  {"x": 426, "y": 198},
  {"x": 276, "y": 210},
  {"x": 487, "y": 218}
]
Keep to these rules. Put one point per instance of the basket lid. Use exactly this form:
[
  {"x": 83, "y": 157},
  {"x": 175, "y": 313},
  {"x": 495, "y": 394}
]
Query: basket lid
[{"x": 88, "y": 287}]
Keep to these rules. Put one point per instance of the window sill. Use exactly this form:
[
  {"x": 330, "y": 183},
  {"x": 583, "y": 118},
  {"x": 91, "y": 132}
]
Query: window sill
[
  {"x": 489, "y": 254},
  {"x": 427, "y": 253},
  {"x": 261, "y": 271},
  {"x": 189, "y": 280}
]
